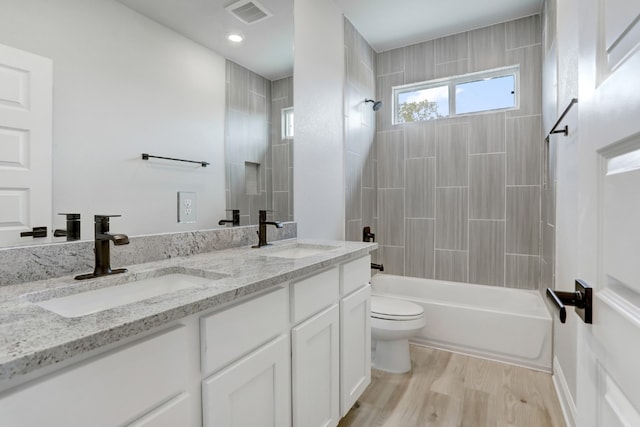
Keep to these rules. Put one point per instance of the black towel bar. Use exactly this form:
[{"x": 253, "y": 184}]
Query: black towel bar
[
  {"x": 146, "y": 156},
  {"x": 581, "y": 298}
]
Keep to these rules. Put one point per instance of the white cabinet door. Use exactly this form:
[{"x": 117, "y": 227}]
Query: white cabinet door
[
  {"x": 315, "y": 370},
  {"x": 253, "y": 392},
  {"x": 173, "y": 413},
  {"x": 25, "y": 145},
  {"x": 355, "y": 347}
]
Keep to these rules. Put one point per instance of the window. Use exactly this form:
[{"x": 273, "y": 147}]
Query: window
[
  {"x": 287, "y": 123},
  {"x": 467, "y": 94}
]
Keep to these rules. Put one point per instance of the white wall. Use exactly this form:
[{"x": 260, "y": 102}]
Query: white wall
[
  {"x": 124, "y": 85},
  {"x": 560, "y": 86},
  {"x": 318, "y": 79}
]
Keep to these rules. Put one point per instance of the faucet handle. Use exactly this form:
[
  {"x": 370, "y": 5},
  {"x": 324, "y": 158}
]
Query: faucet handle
[
  {"x": 71, "y": 216},
  {"x": 103, "y": 218}
]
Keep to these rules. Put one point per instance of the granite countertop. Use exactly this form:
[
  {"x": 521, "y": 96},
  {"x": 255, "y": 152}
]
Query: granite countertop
[{"x": 32, "y": 337}]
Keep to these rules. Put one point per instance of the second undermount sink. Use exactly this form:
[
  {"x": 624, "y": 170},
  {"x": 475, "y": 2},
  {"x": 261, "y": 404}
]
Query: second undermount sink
[
  {"x": 298, "y": 251},
  {"x": 96, "y": 300}
]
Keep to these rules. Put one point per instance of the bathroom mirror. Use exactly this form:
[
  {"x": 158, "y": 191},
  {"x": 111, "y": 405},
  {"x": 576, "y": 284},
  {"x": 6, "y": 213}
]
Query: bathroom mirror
[{"x": 124, "y": 85}]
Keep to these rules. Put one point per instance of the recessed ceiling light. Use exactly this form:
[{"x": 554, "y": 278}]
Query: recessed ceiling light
[{"x": 236, "y": 38}]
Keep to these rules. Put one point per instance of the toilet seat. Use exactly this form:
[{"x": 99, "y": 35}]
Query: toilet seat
[{"x": 394, "y": 309}]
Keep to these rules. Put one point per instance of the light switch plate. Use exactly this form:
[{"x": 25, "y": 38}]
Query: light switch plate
[{"x": 186, "y": 207}]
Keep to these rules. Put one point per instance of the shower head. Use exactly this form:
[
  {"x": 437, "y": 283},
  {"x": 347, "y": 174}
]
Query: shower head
[{"x": 376, "y": 104}]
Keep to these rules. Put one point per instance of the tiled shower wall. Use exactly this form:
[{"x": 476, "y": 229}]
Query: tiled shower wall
[
  {"x": 360, "y": 182},
  {"x": 247, "y": 143},
  {"x": 259, "y": 163},
  {"x": 282, "y": 151},
  {"x": 459, "y": 199}
]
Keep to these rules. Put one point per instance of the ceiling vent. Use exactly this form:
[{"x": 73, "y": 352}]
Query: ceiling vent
[{"x": 248, "y": 11}]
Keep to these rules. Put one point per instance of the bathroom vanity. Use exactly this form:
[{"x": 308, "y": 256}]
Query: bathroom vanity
[{"x": 273, "y": 336}]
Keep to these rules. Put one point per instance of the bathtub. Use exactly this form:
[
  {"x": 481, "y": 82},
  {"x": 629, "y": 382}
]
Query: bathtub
[{"x": 507, "y": 325}]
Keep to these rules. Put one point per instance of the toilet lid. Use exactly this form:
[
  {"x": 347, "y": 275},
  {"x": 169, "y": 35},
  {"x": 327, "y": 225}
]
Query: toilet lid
[{"x": 394, "y": 309}]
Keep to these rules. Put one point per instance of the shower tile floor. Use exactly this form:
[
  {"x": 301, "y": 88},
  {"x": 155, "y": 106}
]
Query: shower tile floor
[{"x": 450, "y": 389}]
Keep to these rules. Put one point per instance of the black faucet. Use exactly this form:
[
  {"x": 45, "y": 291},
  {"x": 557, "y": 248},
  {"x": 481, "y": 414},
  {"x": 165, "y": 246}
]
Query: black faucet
[
  {"x": 262, "y": 229},
  {"x": 72, "y": 232},
  {"x": 235, "y": 221},
  {"x": 102, "y": 248},
  {"x": 367, "y": 235}
]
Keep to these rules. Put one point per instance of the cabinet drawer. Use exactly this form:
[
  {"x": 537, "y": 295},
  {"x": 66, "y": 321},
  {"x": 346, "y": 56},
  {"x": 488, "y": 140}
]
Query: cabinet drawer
[
  {"x": 234, "y": 332},
  {"x": 310, "y": 295},
  {"x": 355, "y": 274},
  {"x": 172, "y": 413},
  {"x": 108, "y": 390}
]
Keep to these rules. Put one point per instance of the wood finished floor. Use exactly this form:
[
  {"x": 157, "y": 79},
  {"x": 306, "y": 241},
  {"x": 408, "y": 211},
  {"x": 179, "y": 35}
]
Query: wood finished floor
[{"x": 449, "y": 389}]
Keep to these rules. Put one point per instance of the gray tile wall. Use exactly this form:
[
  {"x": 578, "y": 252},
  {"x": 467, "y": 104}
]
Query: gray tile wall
[
  {"x": 361, "y": 181},
  {"x": 247, "y": 139},
  {"x": 253, "y": 135},
  {"x": 460, "y": 199},
  {"x": 282, "y": 151}
]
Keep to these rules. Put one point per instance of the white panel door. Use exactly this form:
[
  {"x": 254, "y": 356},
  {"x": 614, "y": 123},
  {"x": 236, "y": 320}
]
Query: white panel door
[
  {"x": 355, "y": 346},
  {"x": 25, "y": 145},
  {"x": 252, "y": 392},
  {"x": 608, "y": 246},
  {"x": 315, "y": 370}
]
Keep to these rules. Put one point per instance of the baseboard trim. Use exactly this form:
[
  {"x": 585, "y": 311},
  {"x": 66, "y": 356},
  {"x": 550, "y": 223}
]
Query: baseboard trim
[{"x": 567, "y": 403}]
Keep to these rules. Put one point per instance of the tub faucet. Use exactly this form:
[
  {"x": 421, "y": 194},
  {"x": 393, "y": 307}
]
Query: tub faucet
[
  {"x": 262, "y": 229},
  {"x": 103, "y": 250}
]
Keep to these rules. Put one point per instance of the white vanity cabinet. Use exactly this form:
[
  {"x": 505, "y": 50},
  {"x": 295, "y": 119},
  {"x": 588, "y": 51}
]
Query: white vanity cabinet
[{"x": 296, "y": 354}]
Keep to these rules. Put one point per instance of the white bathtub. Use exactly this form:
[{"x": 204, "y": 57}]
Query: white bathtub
[{"x": 507, "y": 325}]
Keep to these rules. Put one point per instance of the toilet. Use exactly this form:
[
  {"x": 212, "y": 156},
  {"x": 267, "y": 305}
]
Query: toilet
[{"x": 393, "y": 322}]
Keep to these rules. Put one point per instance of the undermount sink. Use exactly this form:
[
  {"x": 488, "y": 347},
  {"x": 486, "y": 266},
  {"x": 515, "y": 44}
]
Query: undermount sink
[
  {"x": 298, "y": 251},
  {"x": 93, "y": 301}
]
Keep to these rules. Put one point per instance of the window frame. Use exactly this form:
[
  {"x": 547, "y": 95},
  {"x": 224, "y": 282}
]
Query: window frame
[
  {"x": 284, "y": 119},
  {"x": 451, "y": 83}
]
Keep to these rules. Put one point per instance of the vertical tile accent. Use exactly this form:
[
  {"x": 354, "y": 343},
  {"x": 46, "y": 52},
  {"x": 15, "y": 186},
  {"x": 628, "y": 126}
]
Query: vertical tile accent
[
  {"x": 523, "y": 220},
  {"x": 392, "y": 257},
  {"x": 530, "y": 60},
  {"x": 354, "y": 230},
  {"x": 369, "y": 207},
  {"x": 522, "y": 272},
  {"x": 486, "y": 186},
  {"x": 524, "y": 149},
  {"x": 486, "y": 252},
  {"x": 451, "y": 265},
  {"x": 389, "y": 62},
  {"x": 280, "y": 167},
  {"x": 419, "y": 62},
  {"x": 452, "y": 144},
  {"x": 486, "y": 134},
  {"x": 391, "y": 222},
  {"x": 420, "y": 253},
  {"x": 487, "y": 48},
  {"x": 451, "y": 218},
  {"x": 420, "y": 139},
  {"x": 523, "y": 32},
  {"x": 420, "y": 188},
  {"x": 390, "y": 159},
  {"x": 353, "y": 186},
  {"x": 384, "y": 87},
  {"x": 452, "y": 68},
  {"x": 451, "y": 48}
]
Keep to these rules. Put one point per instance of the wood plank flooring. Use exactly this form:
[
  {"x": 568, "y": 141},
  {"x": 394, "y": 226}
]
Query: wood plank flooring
[{"x": 449, "y": 389}]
